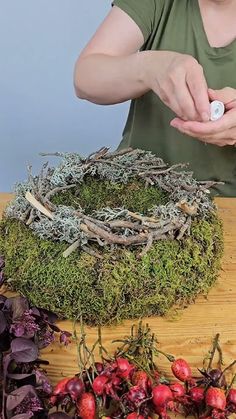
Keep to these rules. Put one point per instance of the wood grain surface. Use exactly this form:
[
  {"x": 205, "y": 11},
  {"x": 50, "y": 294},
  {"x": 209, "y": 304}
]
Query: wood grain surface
[{"x": 188, "y": 335}]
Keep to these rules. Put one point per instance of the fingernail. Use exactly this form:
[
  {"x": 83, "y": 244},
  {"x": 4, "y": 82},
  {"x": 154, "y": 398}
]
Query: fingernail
[{"x": 205, "y": 117}]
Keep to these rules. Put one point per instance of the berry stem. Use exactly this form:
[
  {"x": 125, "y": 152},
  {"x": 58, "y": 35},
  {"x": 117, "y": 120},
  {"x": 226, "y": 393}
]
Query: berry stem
[
  {"x": 231, "y": 384},
  {"x": 101, "y": 348},
  {"x": 229, "y": 366},
  {"x": 215, "y": 347}
]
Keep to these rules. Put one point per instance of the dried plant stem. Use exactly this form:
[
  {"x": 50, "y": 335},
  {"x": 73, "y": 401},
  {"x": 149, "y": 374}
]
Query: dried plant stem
[
  {"x": 54, "y": 191},
  {"x": 213, "y": 351},
  {"x": 71, "y": 249},
  {"x": 37, "y": 205},
  {"x": 231, "y": 384},
  {"x": 147, "y": 247},
  {"x": 142, "y": 218},
  {"x": 228, "y": 367}
]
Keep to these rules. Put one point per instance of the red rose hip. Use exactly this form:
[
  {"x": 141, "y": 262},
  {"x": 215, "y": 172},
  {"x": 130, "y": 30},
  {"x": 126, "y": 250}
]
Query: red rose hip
[{"x": 181, "y": 370}]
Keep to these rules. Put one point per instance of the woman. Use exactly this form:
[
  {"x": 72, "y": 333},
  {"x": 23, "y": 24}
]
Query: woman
[{"x": 167, "y": 56}]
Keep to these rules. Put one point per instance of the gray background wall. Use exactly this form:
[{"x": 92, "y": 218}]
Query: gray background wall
[{"x": 39, "y": 43}]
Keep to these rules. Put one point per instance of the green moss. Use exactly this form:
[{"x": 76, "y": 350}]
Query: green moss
[
  {"x": 118, "y": 287},
  {"x": 94, "y": 194}
]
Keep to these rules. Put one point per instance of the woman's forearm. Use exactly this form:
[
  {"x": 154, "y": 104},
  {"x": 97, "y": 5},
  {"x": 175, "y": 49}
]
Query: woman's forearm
[
  {"x": 177, "y": 79},
  {"x": 106, "y": 80}
]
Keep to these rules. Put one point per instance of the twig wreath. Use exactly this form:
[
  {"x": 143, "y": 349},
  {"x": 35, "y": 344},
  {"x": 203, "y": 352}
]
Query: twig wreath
[{"x": 110, "y": 226}]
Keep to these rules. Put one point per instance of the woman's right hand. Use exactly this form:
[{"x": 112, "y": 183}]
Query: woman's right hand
[
  {"x": 111, "y": 70},
  {"x": 179, "y": 81}
]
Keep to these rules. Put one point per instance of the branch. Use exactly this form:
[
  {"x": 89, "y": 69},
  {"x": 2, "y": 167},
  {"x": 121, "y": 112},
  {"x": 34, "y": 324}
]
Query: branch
[
  {"x": 71, "y": 249},
  {"x": 56, "y": 190},
  {"x": 147, "y": 247},
  {"x": 36, "y": 204}
]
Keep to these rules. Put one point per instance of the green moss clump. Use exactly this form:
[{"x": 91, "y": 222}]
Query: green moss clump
[
  {"x": 94, "y": 194},
  {"x": 118, "y": 287}
]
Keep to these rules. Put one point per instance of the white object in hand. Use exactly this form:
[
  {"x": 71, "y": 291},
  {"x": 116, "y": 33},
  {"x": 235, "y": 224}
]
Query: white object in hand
[{"x": 217, "y": 110}]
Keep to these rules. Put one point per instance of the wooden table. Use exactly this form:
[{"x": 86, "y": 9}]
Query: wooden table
[{"x": 191, "y": 333}]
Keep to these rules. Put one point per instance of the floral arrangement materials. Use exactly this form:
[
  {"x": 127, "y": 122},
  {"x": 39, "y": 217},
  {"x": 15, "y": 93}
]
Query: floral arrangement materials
[
  {"x": 127, "y": 384},
  {"x": 24, "y": 331},
  {"x": 111, "y": 236}
]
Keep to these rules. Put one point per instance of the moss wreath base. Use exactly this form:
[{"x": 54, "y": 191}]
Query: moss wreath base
[{"x": 110, "y": 237}]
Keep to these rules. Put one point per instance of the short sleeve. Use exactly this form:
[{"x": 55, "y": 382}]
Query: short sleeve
[{"x": 141, "y": 11}]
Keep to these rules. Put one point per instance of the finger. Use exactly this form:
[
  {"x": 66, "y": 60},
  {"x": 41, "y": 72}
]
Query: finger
[
  {"x": 224, "y": 95},
  {"x": 230, "y": 105},
  {"x": 170, "y": 101},
  {"x": 198, "y": 89},
  {"x": 212, "y": 94},
  {"x": 165, "y": 91},
  {"x": 177, "y": 97},
  {"x": 222, "y": 139},
  {"x": 207, "y": 128},
  {"x": 185, "y": 102}
]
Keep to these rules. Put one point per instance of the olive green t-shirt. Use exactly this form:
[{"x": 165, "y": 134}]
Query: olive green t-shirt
[{"x": 176, "y": 25}]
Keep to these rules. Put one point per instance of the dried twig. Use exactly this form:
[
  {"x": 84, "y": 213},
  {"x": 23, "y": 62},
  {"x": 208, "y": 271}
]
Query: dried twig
[
  {"x": 185, "y": 228},
  {"x": 71, "y": 249},
  {"x": 97, "y": 155},
  {"x": 36, "y": 204},
  {"x": 188, "y": 209},
  {"x": 54, "y": 191},
  {"x": 56, "y": 154},
  {"x": 31, "y": 217},
  {"x": 147, "y": 247},
  {"x": 142, "y": 218},
  {"x": 117, "y": 224}
]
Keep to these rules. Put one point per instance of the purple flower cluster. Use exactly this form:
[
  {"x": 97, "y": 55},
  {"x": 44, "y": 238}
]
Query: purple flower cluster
[
  {"x": 43, "y": 382},
  {"x": 46, "y": 338},
  {"x": 29, "y": 404},
  {"x": 65, "y": 338},
  {"x": 25, "y": 326},
  {"x": 24, "y": 330}
]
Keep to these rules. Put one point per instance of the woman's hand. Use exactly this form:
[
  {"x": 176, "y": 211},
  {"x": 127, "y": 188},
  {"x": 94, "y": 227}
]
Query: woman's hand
[
  {"x": 179, "y": 81},
  {"x": 112, "y": 69},
  {"x": 221, "y": 132}
]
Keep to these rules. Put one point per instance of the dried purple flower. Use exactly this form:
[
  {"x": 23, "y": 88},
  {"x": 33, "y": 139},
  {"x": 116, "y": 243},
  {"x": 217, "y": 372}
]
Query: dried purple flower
[
  {"x": 17, "y": 329},
  {"x": 43, "y": 382},
  {"x": 30, "y": 404},
  {"x": 24, "y": 330},
  {"x": 24, "y": 326},
  {"x": 46, "y": 337},
  {"x": 65, "y": 337},
  {"x": 19, "y": 305}
]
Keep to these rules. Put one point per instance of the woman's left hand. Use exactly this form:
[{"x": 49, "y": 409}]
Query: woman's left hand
[{"x": 221, "y": 132}]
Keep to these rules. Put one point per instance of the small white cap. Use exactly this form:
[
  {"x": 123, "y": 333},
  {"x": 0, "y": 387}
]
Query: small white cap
[{"x": 217, "y": 110}]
